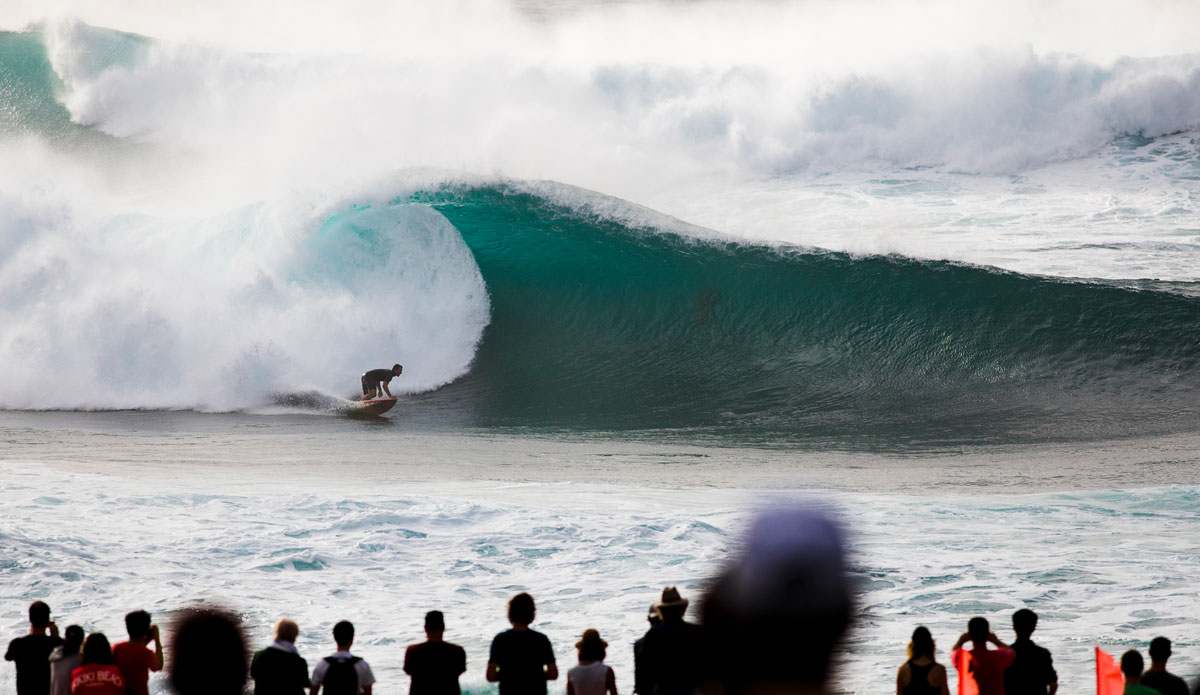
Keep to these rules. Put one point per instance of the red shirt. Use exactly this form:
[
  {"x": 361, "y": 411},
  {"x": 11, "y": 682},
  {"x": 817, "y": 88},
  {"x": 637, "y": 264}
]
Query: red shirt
[
  {"x": 97, "y": 679},
  {"x": 136, "y": 662},
  {"x": 984, "y": 669}
]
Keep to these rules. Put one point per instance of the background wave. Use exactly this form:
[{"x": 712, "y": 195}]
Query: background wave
[{"x": 987, "y": 109}]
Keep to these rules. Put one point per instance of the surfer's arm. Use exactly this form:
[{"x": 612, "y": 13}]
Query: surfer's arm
[{"x": 385, "y": 390}]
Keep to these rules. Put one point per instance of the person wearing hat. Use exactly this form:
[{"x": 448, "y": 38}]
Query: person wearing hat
[
  {"x": 671, "y": 649},
  {"x": 592, "y": 676},
  {"x": 642, "y": 685}
]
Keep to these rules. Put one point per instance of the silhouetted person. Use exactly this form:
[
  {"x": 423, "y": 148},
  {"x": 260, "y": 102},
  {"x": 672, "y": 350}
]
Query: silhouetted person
[
  {"x": 592, "y": 676},
  {"x": 32, "y": 652},
  {"x": 279, "y": 669},
  {"x": 985, "y": 666},
  {"x": 642, "y": 684},
  {"x": 1131, "y": 668},
  {"x": 342, "y": 673},
  {"x": 774, "y": 617},
  {"x": 434, "y": 665},
  {"x": 133, "y": 658},
  {"x": 921, "y": 674},
  {"x": 97, "y": 674},
  {"x": 208, "y": 654},
  {"x": 1157, "y": 676},
  {"x": 671, "y": 649},
  {"x": 64, "y": 660},
  {"x": 1032, "y": 671},
  {"x": 521, "y": 659}
]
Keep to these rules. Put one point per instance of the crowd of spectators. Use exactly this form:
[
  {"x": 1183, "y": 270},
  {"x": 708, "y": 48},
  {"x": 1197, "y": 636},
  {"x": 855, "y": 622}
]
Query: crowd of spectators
[
  {"x": 991, "y": 667},
  {"x": 770, "y": 624}
]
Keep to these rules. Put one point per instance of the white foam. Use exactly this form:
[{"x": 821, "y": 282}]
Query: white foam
[
  {"x": 1101, "y": 567},
  {"x": 108, "y": 310}
]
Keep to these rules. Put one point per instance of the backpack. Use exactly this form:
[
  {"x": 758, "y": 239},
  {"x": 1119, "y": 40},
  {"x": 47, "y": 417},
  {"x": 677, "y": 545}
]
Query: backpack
[{"x": 342, "y": 677}]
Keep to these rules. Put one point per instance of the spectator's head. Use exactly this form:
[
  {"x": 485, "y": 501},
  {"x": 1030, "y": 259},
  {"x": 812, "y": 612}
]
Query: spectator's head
[
  {"x": 435, "y": 623},
  {"x": 979, "y": 629},
  {"x": 96, "y": 650},
  {"x": 72, "y": 640},
  {"x": 286, "y": 630},
  {"x": 1132, "y": 665},
  {"x": 137, "y": 624},
  {"x": 1160, "y": 650},
  {"x": 1024, "y": 623},
  {"x": 672, "y": 607},
  {"x": 207, "y": 654},
  {"x": 774, "y": 617},
  {"x": 921, "y": 644},
  {"x": 652, "y": 616},
  {"x": 591, "y": 647},
  {"x": 521, "y": 610},
  {"x": 343, "y": 634},
  {"x": 39, "y": 615}
]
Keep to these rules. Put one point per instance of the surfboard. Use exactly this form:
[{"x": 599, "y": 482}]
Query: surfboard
[{"x": 375, "y": 406}]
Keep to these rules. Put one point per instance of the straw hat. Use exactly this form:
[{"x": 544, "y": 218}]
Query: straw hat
[{"x": 590, "y": 636}]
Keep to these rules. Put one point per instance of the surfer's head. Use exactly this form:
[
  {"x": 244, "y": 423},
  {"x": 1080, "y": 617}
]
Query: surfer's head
[{"x": 397, "y": 369}]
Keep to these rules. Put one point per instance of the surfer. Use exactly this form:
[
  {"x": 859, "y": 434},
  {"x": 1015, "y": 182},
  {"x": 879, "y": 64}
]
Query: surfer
[{"x": 376, "y": 379}]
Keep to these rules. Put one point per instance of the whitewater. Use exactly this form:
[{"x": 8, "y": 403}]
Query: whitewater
[{"x": 648, "y": 266}]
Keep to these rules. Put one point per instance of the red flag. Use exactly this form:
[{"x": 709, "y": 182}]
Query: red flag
[{"x": 1109, "y": 680}]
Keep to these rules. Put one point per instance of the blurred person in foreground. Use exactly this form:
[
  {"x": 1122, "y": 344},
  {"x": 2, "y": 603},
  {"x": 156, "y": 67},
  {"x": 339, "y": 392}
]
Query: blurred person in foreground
[
  {"x": 773, "y": 619},
  {"x": 207, "y": 654}
]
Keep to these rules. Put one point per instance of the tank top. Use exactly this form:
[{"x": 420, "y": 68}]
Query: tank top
[
  {"x": 589, "y": 679},
  {"x": 918, "y": 683}
]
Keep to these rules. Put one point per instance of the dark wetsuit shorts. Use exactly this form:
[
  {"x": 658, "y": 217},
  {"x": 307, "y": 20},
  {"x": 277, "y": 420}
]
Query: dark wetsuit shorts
[{"x": 372, "y": 379}]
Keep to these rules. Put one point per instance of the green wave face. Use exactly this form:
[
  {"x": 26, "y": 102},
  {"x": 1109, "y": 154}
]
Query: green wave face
[{"x": 595, "y": 324}]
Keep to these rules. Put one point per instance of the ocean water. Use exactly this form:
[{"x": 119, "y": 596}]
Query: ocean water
[{"x": 650, "y": 267}]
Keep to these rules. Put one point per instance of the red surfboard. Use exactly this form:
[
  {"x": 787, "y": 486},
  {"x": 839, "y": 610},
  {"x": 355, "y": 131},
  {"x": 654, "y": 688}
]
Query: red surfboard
[{"x": 375, "y": 406}]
